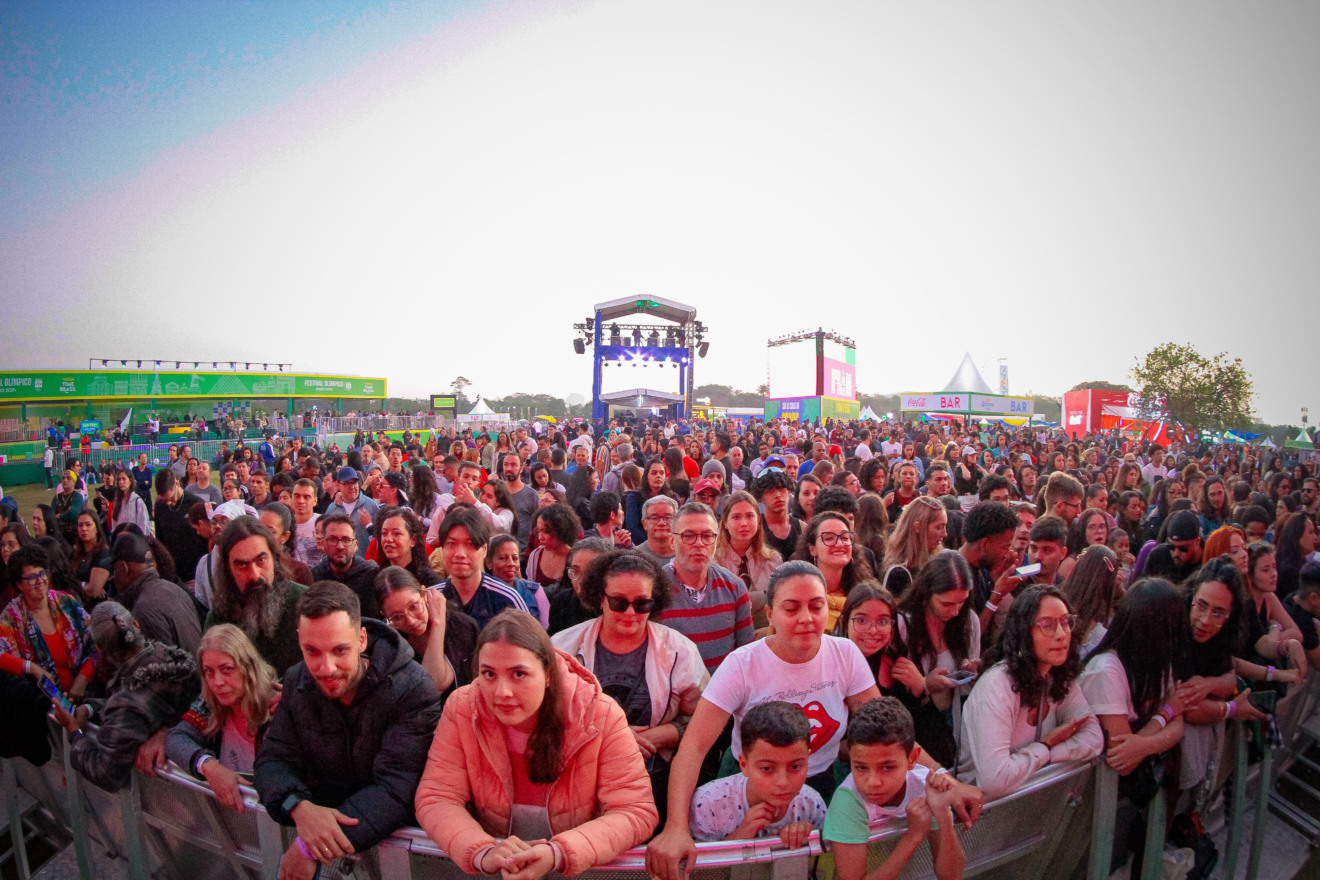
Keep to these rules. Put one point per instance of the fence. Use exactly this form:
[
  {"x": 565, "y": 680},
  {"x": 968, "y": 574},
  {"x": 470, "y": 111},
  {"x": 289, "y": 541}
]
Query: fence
[{"x": 172, "y": 825}]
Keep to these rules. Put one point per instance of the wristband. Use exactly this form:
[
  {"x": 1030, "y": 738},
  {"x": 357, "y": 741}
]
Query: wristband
[
  {"x": 27, "y": 667},
  {"x": 939, "y": 770},
  {"x": 304, "y": 849},
  {"x": 1167, "y": 710},
  {"x": 991, "y": 607},
  {"x": 1230, "y": 709},
  {"x": 1160, "y": 720},
  {"x": 197, "y": 768},
  {"x": 1269, "y": 673}
]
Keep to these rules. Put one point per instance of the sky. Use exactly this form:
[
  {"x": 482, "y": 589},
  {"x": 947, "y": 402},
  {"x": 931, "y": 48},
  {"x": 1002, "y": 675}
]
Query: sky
[{"x": 419, "y": 190}]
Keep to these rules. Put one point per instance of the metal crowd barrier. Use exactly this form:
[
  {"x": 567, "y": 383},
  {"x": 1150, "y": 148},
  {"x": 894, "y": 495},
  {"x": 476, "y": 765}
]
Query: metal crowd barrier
[{"x": 172, "y": 825}]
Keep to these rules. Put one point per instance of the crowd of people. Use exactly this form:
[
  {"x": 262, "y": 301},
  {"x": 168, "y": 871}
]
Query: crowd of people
[{"x": 547, "y": 648}]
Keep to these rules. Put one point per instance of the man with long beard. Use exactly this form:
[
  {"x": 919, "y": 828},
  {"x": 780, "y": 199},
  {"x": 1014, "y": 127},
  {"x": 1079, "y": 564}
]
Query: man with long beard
[{"x": 252, "y": 590}]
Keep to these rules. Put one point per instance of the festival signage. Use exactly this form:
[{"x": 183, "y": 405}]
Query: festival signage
[
  {"x": 135, "y": 385},
  {"x": 947, "y": 401},
  {"x": 998, "y": 404}
]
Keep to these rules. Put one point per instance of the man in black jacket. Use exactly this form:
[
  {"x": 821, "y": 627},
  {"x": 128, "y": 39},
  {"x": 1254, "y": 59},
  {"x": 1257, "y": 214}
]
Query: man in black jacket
[
  {"x": 345, "y": 751},
  {"x": 172, "y": 527}
]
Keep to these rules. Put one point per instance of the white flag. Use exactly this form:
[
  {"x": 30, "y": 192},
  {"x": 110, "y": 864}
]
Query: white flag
[{"x": 123, "y": 426}]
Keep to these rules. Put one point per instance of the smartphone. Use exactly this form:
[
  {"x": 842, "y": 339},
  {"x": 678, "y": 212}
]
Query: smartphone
[
  {"x": 1027, "y": 571},
  {"x": 52, "y": 690},
  {"x": 961, "y": 677}
]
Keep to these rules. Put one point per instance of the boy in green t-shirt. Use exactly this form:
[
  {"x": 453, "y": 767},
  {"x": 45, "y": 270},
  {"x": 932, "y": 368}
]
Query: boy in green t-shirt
[{"x": 887, "y": 782}]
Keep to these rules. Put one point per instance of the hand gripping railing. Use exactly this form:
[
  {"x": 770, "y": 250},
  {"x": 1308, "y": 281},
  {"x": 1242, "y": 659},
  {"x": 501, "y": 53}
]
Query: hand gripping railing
[{"x": 172, "y": 825}]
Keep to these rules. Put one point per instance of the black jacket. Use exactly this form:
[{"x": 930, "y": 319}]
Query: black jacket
[
  {"x": 366, "y": 759},
  {"x": 183, "y": 542},
  {"x": 360, "y": 578},
  {"x": 150, "y": 691}
]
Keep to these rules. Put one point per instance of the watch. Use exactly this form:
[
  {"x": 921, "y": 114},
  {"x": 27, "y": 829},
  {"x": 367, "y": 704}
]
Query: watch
[{"x": 290, "y": 802}]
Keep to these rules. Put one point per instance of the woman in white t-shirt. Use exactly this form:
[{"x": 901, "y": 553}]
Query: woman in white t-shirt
[
  {"x": 826, "y": 675},
  {"x": 1027, "y": 710},
  {"x": 1130, "y": 679}
]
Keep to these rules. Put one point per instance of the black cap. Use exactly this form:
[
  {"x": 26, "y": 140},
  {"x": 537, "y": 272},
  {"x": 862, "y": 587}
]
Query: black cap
[{"x": 1183, "y": 526}]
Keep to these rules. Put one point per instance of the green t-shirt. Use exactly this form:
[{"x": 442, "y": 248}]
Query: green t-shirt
[{"x": 846, "y": 819}]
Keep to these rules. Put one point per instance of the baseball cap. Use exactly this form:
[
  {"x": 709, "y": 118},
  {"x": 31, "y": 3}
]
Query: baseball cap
[
  {"x": 704, "y": 485},
  {"x": 776, "y": 461},
  {"x": 346, "y": 474},
  {"x": 969, "y": 450},
  {"x": 1183, "y": 526}
]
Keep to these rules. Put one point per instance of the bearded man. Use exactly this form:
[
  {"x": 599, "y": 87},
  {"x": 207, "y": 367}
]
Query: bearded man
[{"x": 252, "y": 590}]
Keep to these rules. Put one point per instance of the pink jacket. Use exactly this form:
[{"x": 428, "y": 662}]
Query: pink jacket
[{"x": 599, "y": 806}]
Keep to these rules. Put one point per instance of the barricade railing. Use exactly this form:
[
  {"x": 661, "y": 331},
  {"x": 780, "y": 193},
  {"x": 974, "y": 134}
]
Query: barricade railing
[{"x": 173, "y": 825}]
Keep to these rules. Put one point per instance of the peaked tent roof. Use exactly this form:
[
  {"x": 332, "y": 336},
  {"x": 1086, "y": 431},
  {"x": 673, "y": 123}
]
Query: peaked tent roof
[
  {"x": 968, "y": 378},
  {"x": 868, "y": 415},
  {"x": 481, "y": 408}
]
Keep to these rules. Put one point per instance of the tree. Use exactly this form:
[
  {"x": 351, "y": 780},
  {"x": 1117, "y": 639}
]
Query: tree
[
  {"x": 1197, "y": 392},
  {"x": 1100, "y": 385},
  {"x": 461, "y": 402}
]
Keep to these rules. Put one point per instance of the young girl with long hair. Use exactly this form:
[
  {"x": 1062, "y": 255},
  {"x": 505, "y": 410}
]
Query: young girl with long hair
[{"x": 536, "y": 718}]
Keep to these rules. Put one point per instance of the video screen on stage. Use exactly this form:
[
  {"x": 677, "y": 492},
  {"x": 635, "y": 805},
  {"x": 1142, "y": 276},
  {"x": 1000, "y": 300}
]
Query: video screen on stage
[
  {"x": 792, "y": 369},
  {"x": 840, "y": 371}
]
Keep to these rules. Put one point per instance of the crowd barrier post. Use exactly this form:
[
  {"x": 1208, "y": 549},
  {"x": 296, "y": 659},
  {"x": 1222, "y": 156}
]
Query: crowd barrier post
[
  {"x": 77, "y": 816},
  {"x": 17, "y": 837},
  {"x": 1262, "y": 807},
  {"x": 1102, "y": 821},
  {"x": 1157, "y": 811},
  {"x": 1238, "y": 815},
  {"x": 130, "y": 809}
]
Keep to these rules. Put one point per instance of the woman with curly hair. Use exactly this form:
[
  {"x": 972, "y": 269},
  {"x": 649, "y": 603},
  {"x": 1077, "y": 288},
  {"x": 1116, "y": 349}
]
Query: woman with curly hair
[
  {"x": 1027, "y": 710},
  {"x": 402, "y": 542}
]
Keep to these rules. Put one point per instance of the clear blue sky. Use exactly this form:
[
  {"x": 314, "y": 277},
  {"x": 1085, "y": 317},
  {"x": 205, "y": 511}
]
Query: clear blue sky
[{"x": 418, "y": 190}]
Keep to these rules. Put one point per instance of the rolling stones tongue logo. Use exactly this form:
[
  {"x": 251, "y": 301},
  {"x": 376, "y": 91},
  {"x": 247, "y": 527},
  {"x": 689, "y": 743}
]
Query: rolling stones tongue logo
[{"x": 823, "y": 727}]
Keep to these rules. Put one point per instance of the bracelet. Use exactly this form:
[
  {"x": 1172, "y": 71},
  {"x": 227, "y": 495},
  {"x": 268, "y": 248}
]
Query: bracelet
[
  {"x": 27, "y": 667},
  {"x": 991, "y": 607},
  {"x": 304, "y": 849},
  {"x": 1160, "y": 719},
  {"x": 1230, "y": 709},
  {"x": 1167, "y": 710},
  {"x": 939, "y": 770},
  {"x": 1269, "y": 673}
]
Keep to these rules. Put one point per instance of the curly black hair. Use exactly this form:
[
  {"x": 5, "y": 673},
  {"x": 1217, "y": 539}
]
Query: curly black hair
[
  {"x": 615, "y": 562},
  {"x": 1017, "y": 651}
]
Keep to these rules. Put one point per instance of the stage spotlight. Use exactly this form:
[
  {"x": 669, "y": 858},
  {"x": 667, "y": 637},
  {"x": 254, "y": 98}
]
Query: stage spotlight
[
  {"x": 579, "y": 347},
  {"x": 702, "y": 349}
]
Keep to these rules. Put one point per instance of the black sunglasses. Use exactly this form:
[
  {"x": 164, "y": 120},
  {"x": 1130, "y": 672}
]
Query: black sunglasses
[{"x": 618, "y": 604}]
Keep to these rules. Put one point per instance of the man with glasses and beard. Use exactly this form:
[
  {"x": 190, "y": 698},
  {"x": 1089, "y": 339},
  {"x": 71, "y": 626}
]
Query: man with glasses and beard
[
  {"x": 342, "y": 563},
  {"x": 253, "y": 592},
  {"x": 710, "y": 604}
]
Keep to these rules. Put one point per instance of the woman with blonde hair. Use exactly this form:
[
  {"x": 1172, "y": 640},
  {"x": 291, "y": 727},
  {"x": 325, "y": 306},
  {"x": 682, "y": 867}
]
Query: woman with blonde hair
[
  {"x": 918, "y": 535},
  {"x": 218, "y": 737}
]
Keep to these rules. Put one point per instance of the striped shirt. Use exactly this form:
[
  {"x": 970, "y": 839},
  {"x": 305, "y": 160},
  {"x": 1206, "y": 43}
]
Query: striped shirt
[
  {"x": 492, "y": 597},
  {"x": 718, "y": 618}
]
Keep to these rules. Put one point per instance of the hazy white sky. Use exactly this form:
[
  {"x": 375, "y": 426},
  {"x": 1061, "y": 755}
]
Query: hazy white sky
[{"x": 419, "y": 190}]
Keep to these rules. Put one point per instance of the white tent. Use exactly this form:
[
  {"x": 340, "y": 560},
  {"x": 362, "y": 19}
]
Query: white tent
[
  {"x": 480, "y": 408},
  {"x": 968, "y": 379},
  {"x": 868, "y": 415}
]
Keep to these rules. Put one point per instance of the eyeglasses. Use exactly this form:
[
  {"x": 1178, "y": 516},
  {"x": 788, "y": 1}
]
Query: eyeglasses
[
  {"x": 413, "y": 609},
  {"x": 829, "y": 539},
  {"x": 36, "y": 580},
  {"x": 1200, "y": 606},
  {"x": 861, "y": 621},
  {"x": 618, "y": 604},
  {"x": 1050, "y": 625},
  {"x": 694, "y": 538},
  {"x": 333, "y": 542},
  {"x": 656, "y": 519}
]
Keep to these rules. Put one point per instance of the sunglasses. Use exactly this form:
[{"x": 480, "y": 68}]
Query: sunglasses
[{"x": 619, "y": 605}]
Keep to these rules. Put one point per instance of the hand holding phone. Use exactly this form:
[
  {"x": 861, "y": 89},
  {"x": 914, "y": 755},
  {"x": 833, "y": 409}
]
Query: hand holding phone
[
  {"x": 57, "y": 696},
  {"x": 962, "y": 677},
  {"x": 1027, "y": 571}
]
